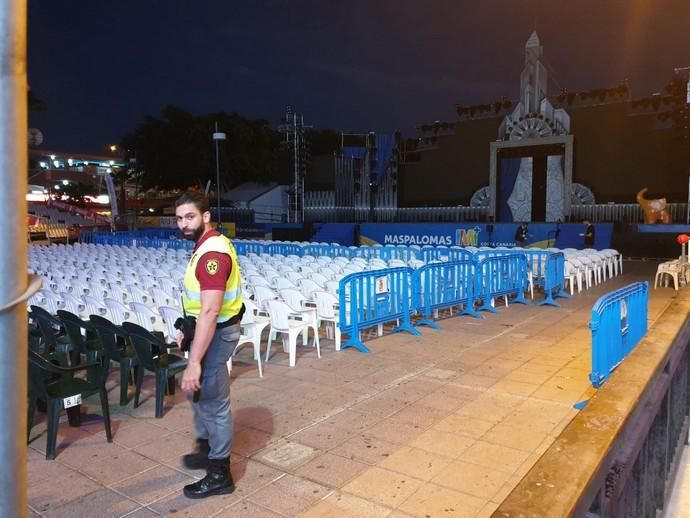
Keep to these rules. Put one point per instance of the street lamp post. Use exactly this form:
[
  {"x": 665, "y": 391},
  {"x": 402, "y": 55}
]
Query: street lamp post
[{"x": 217, "y": 135}]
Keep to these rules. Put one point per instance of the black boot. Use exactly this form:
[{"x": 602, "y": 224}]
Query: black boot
[
  {"x": 198, "y": 459},
  {"x": 218, "y": 481}
]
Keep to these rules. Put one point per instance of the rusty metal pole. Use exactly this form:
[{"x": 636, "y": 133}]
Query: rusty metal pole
[{"x": 14, "y": 284}]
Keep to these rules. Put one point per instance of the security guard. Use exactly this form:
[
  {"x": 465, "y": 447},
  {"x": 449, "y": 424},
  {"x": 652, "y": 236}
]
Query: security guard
[{"x": 213, "y": 296}]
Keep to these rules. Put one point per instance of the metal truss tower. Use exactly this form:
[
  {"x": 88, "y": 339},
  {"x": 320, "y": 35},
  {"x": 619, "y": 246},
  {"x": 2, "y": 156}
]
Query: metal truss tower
[{"x": 293, "y": 127}]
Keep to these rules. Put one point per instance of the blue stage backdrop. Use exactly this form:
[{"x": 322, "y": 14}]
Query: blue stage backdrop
[
  {"x": 541, "y": 235},
  {"x": 506, "y": 184}
]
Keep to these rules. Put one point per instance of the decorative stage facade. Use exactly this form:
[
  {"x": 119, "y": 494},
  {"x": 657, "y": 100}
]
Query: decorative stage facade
[{"x": 531, "y": 163}]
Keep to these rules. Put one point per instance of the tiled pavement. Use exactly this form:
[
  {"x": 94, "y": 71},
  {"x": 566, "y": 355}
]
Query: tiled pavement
[{"x": 445, "y": 424}]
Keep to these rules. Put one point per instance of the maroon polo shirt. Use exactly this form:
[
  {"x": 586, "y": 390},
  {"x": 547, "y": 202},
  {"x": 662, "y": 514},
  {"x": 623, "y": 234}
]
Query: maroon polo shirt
[{"x": 213, "y": 268}]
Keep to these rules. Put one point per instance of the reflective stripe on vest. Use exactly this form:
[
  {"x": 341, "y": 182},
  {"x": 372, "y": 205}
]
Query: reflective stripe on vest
[{"x": 232, "y": 299}]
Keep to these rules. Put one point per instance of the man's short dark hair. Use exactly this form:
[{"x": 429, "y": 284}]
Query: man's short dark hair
[{"x": 199, "y": 200}]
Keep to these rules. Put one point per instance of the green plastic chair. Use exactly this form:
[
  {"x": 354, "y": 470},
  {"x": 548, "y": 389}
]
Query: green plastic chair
[
  {"x": 117, "y": 348},
  {"x": 87, "y": 345},
  {"x": 152, "y": 354},
  {"x": 54, "y": 383},
  {"x": 53, "y": 338}
]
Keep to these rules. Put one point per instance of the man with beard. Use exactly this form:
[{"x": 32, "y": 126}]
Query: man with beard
[{"x": 212, "y": 295}]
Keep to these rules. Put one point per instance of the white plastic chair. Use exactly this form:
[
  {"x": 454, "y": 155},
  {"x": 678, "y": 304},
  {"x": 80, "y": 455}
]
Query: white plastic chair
[
  {"x": 250, "y": 305},
  {"x": 293, "y": 277},
  {"x": 262, "y": 294},
  {"x": 328, "y": 273},
  {"x": 97, "y": 289},
  {"x": 298, "y": 304},
  {"x": 282, "y": 323},
  {"x": 116, "y": 292},
  {"x": 169, "y": 315},
  {"x": 119, "y": 312},
  {"x": 251, "y": 335},
  {"x": 318, "y": 278},
  {"x": 78, "y": 287},
  {"x": 326, "y": 304},
  {"x": 170, "y": 287},
  {"x": 258, "y": 280},
  {"x": 668, "y": 269},
  {"x": 74, "y": 305},
  {"x": 573, "y": 275},
  {"x": 281, "y": 283},
  {"x": 138, "y": 295},
  {"x": 162, "y": 298},
  {"x": 96, "y": 307},
  {"x": 332, "y": 287},
  {"x": 147, "y": 317},
  {"x": 50, "y": 301},
  {"x": 308, "y": 286}
]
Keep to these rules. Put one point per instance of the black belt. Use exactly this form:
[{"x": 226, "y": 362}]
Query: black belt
[
  {"x": 234, "y": 320},
  {"x": 230, "y": 322}
]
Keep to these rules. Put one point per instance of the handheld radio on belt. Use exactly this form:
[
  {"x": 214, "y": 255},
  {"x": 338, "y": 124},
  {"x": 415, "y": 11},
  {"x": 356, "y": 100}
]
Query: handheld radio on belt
[{"x": 187, "y": 325}]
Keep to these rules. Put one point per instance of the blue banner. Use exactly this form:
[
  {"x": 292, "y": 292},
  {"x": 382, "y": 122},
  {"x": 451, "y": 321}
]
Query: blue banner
[
  {"x": 540, "y": 235},
  {"x": 508, "y": 175}
]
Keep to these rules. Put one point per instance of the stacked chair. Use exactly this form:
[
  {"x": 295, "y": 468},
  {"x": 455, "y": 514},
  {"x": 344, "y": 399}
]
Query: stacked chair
[{"x": 70, "y": 358}]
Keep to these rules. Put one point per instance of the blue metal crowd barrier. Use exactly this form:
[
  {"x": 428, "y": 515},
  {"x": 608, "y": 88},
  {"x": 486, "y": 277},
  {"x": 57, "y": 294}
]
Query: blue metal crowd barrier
[
  {"x": 430, "y": 253},
  {"x": 536, "y": 262},
  {"x": 254, "y": 248},
  {"x": 554, "y": 279},
  {"x": 619, "y": 321},
  {"x": 443, "y": 285},
  {"x": 135, "y": 239},
  {"x": 403, "y": 253},
  {"x": 240, "y": 247},
  {"x": 374, "y": 298},
  {"x": 284, "y": 249},
  {"x": 160, "y": 233},
  {"x": 501, "y": 275},
  {"x": 342, "y": 251},
  {"x": 457, "y": 253},
  {"x": 315, "y": 250}
]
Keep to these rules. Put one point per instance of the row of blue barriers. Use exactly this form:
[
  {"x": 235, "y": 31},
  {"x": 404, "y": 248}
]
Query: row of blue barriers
[
  {"x": 373, "y": 298},
  {"x": 168, "y": 238},
  {"x": 426, "y": 253},
  {"x": 136, "y": 239}
]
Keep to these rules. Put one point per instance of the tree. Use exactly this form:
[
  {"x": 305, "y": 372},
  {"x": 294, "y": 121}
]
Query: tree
[{"x": 177, "y": 151}]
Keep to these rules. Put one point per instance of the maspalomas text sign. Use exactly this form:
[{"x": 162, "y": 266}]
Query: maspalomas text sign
[{"x": 540, "y": 235}]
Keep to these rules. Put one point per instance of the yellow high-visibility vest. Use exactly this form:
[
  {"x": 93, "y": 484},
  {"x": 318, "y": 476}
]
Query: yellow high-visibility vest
[{"x": 232, "y": 300}]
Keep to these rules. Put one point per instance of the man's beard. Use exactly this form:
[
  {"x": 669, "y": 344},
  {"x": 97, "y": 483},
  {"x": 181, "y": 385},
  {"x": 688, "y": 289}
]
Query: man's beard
[{"x": 195, "y": 235}]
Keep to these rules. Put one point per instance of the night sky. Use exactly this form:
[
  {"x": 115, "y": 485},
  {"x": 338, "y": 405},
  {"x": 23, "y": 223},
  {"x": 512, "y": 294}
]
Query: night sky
[{"x": 380, "y": 65}]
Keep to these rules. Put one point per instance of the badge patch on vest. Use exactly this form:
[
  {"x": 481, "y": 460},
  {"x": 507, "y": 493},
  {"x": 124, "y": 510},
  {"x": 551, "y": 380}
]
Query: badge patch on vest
[{"x": 212, "y": 266}]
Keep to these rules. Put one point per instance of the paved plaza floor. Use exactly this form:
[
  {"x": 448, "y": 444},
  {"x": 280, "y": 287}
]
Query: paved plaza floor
[{"x": 445, "y": 424}]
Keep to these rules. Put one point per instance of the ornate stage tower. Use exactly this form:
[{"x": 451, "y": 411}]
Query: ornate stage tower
[{"x": 531, "y": 163}]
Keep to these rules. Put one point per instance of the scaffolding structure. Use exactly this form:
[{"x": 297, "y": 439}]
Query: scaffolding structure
[{"x": 293, "y": 128}]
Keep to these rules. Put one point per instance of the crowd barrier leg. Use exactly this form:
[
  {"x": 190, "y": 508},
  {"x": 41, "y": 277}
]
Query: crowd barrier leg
[
  {"x": 550, "y": 299},
  {"x": 355, "y": 341}
]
